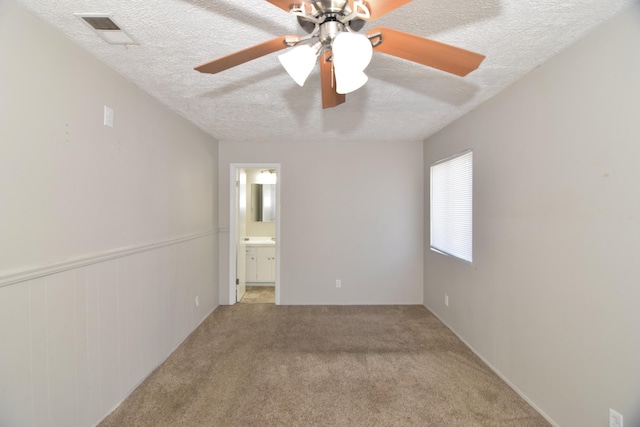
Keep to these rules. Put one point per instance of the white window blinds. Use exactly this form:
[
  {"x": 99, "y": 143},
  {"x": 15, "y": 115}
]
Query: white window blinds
[{"x": 451, "y": 206}]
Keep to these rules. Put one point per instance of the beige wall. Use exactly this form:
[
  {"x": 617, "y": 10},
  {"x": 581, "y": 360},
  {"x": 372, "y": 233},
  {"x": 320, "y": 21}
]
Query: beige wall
[
  {"x": 551, "y": 300},
  {"x": 106, "y": 235},
  {"x": 349, "y": 211},
  {"x": 71, "y": 186}
]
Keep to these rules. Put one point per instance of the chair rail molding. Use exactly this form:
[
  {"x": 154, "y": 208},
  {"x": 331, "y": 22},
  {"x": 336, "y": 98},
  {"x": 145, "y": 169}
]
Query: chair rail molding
[{"x": 23, "y": 275}]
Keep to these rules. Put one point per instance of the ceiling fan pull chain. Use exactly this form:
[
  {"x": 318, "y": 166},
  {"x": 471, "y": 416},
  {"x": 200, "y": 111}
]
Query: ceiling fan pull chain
[{"x": 333, "y": 77}]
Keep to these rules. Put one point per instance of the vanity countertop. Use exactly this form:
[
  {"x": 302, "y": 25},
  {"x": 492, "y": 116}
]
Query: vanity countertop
[{"x": 259, "y": 241}]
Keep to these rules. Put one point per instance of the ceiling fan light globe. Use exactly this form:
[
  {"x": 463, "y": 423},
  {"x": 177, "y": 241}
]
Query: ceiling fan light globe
[
  {"x": 348, "y": 81},
  {"x": 299, "y": 62},
  {"x": 352, "y": 51}
]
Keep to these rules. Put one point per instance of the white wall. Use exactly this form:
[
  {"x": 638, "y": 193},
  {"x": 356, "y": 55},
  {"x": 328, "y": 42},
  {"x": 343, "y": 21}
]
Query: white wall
[
  {"x": 349, "y": 211},
  {"x": 106, "y": 234},
  {"x": 75, "y": 343},
  {"x": 551, "y": 300}
]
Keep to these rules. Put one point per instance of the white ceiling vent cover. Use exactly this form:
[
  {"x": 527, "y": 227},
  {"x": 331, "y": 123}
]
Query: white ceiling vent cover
[{"x": 105, "y": 27}]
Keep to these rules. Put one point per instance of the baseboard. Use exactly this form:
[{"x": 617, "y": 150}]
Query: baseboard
[{"x": 496, "y": 371}]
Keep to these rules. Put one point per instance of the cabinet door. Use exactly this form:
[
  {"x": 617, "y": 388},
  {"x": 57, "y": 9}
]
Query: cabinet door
[
  {"x": 251, "y": 265},
  {"x": 266, "y": 264},
  {"x": 273, "y": 266}
]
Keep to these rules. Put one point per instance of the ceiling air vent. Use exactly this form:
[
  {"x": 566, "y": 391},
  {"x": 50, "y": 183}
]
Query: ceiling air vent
[{"x": 105, "y": 27}]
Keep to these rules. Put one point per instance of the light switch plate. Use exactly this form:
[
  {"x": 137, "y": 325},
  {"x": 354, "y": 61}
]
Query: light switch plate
[
  {"x": 615, "y": 419},
  {"x": 108, "y": 116}
]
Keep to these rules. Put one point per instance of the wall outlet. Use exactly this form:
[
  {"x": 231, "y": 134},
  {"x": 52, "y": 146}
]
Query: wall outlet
[
  {"x": 446, "y": 300},
  {"x": 615, "y": 419},
  {"x": 338, "y": 283},
  {"x": 197, "y": 301}
]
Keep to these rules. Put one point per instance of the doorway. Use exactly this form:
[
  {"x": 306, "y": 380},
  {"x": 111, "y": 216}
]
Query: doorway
[{"x": 254, "y": 232}]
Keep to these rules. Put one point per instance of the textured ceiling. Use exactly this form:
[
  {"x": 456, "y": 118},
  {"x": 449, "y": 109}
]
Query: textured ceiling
[{"x": 258, "y": 101}]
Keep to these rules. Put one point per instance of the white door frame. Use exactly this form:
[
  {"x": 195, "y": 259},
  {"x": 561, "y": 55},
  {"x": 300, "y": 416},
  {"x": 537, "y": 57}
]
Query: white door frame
[{"x": 232, "y": 224}]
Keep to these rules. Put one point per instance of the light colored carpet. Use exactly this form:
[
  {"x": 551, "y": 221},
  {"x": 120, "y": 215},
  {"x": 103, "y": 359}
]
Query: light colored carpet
[
  {"x": 267, "y": 365},
  {"x": 259, "y": 295}
]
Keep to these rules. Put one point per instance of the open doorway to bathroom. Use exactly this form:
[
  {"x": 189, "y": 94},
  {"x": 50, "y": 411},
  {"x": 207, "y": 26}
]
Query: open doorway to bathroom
[{"x": 254, "y": 250}]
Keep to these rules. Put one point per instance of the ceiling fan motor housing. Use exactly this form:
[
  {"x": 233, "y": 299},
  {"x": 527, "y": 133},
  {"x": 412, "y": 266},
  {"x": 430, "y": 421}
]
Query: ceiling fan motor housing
[
  {"x": 331, "y": 13},
  {"x": 330, "y": 6},
  {"x": 329, "y": 29}
]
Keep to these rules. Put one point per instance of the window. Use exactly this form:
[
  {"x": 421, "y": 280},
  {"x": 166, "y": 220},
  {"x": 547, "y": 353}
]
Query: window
[{"x": 451, "y": 206}]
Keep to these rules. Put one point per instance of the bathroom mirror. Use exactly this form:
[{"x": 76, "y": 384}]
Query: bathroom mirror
[{"x": 263, "y": 202}]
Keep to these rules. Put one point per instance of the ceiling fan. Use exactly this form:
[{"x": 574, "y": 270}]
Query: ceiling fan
[{"x": 332, "y": 27}]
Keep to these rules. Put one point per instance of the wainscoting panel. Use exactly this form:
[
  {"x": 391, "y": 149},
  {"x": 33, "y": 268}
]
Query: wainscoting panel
[{"x": 75, "y": 343}]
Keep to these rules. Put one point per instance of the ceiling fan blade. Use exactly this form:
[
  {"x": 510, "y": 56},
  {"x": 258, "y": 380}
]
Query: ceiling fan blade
[
  {"x": 243, "y": 56},
  {"x": 330, "y": 98},
  {"x": 286, "y": 4},
  {"x": 377, "y": 8},
  {"x": 426, "y": 52}
]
